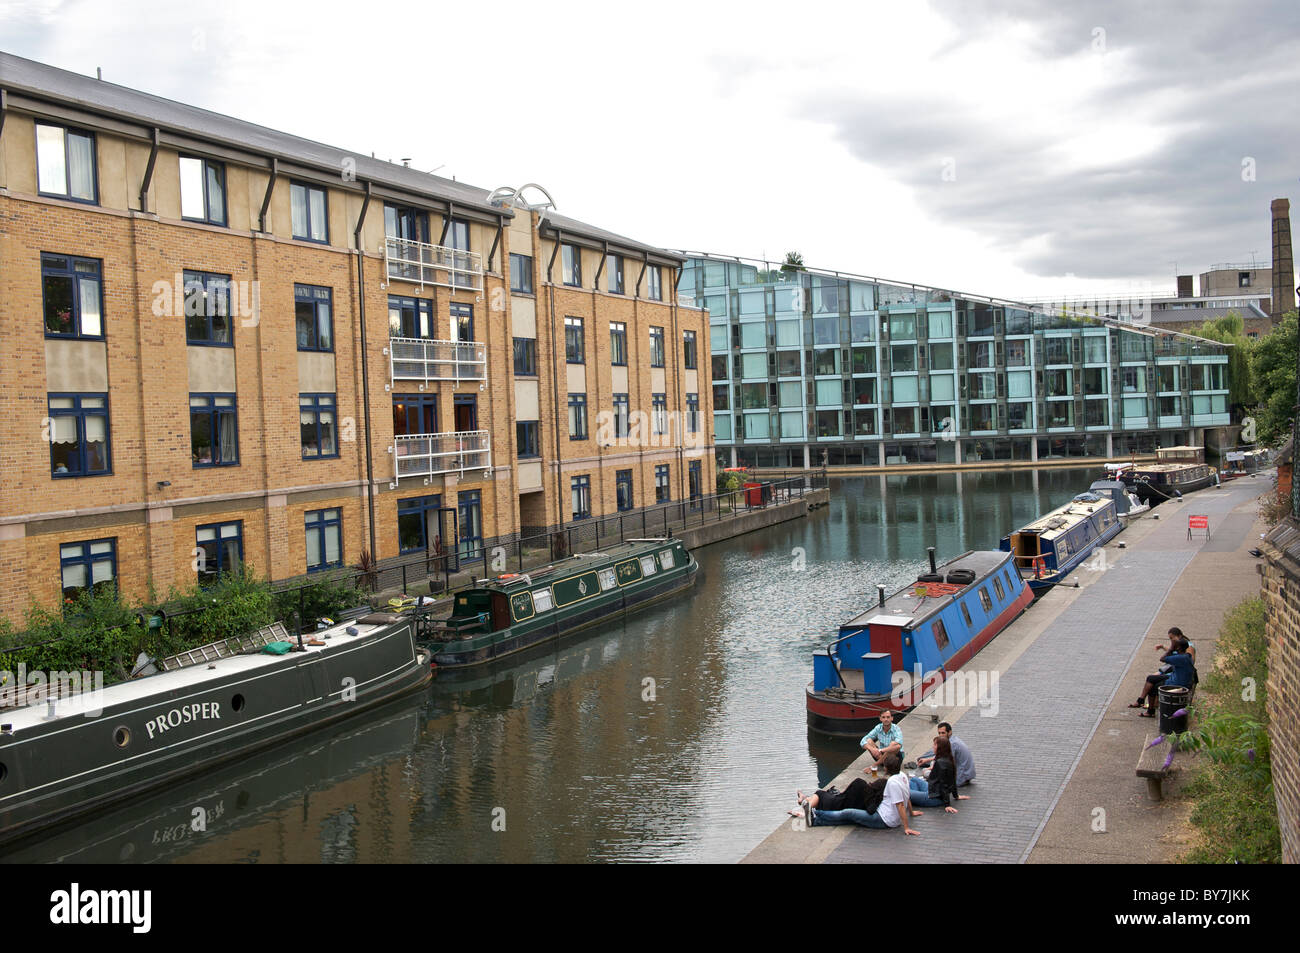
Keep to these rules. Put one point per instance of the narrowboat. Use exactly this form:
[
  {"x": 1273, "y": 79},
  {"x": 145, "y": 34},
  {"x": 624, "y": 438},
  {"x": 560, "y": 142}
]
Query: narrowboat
[
  {"x": 515, "y": 611},
  {"x": 67, "y": 754},
  {"x": 1052, "y": 546},
  {"x": 1177, "y": 470},
  {"x": 891, "y": 656},
  {"x": 1127, "y": 505}
]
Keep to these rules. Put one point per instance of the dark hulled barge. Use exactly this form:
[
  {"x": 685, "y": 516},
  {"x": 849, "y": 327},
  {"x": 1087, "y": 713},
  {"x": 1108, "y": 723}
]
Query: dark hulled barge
[{"x": 1054, "y": 545}]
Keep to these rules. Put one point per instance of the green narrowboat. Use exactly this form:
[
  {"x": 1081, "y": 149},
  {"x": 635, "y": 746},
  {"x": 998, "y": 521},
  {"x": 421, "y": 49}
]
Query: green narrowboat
[{"x": 515, "y": 611}]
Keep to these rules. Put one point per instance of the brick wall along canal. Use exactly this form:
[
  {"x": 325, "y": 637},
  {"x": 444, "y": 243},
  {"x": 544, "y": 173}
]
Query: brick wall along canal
[{"x": 678, "y": 735}]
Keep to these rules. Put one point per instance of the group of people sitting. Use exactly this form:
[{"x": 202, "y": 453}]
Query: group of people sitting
[
  {"x": 1179, "y": 670},
  {"x": 890, "y": 801}
]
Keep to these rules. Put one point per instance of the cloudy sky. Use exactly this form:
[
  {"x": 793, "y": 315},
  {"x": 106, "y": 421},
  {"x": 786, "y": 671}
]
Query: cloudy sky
[{"x": 1015, "y": 148}]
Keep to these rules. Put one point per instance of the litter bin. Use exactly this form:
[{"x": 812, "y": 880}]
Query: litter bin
[
  {"x": 753, "y": 494},
  {"x": 1172, "y": 698}
]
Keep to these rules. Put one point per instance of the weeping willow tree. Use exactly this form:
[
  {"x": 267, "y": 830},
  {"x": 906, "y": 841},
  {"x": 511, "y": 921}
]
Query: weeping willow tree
[{"x": 1231, "y": 329}]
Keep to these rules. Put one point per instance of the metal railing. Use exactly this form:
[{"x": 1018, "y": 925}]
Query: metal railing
[
  {"x": 427, "y": 454},
  {"x": 421, "y": 359},
  {"x": 439, "y": 265}
]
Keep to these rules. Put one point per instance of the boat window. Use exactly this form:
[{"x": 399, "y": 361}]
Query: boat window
[
  {"x": 997, "y": 585},
  {"x": 985, "y": 601},
  {"x": 940, "y": 634},
  {"x": 965, "y": 614},
  {"x": 1010, "y": 585},
  {"x": 648, "y": 567},
  {"x": 542, "y": 599},
  {"x": 666, "y": 559},
  {"x": 607, "y": 580}
]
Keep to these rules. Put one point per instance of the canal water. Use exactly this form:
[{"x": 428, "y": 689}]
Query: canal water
[{"x": 677, "y": 735}]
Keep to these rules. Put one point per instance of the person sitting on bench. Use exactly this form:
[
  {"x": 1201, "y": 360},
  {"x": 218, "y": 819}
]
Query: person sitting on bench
[{"x": 1180, "y": 672}]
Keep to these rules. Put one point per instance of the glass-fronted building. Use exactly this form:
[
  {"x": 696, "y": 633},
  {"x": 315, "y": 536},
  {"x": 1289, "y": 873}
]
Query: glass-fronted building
[{"x": 815, "y": 368}]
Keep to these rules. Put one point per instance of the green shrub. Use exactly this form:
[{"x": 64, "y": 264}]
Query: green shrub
[
  {"x": 727, "y": 482},
  {"x": 325, "y": 597}
]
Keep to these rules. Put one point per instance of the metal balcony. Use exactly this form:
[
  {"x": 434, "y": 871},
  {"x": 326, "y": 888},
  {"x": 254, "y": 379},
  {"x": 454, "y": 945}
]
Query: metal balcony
[
  {"x": 422, "y": 359},
  {"x": 426, "y": 264},
  {"x": 429, "y": 454}
]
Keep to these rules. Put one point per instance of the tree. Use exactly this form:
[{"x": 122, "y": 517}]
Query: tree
[
  {"x": 1273, "y": 370},
  {"x": 793, "y": 262},
  {"x": 1231, "y": 329}
]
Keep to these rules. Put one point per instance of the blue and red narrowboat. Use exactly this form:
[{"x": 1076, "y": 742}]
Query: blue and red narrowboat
[{"x": 891, "y": 656}]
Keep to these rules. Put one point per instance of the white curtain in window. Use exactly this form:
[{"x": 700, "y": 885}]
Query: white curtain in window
[
  {"x": 51, "y": 160},
  {"x": 81, "y": 166},
  {"x": 229, "y": 444},
  {"x": 91, "y": 320},
  {"x": 192, "y": 188},
  {"x": 298, "y": 202},
  {"x": 313, "y": 548}
]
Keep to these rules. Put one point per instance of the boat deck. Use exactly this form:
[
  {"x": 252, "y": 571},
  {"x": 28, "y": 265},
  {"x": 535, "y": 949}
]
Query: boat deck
[
  {"x": 547, "y": 574},
  {"x": 908, "y": 605}
]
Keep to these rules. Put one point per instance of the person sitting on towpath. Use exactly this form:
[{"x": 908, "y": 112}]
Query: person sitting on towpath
[
  {"x": 1181, "y": 672},
  {"x": 883, "y": 740},
  {"x": 894, "y": 810},
  {"x": 961, "y": 756},
  {"x": 941, "y": 787}
]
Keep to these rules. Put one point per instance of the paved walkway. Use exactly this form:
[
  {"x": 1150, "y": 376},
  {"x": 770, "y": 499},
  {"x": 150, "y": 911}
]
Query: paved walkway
[{"x": 1059, "y": 670}]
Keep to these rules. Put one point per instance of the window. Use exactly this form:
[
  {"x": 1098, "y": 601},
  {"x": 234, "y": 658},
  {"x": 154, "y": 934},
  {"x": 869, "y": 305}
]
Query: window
[
  {"x": 458, "y": 239},
  {"x": 577, "y": 416},
  {"x": 621, "y": 414},
  {"x": 316, "y": 416},
  {"x": 580, "y": 489},
  {"x": 573, "y": 342},
  {"x": 415, "y": 414},
  {"x": 648, "y": 565},
  {"x": 656, "y": 347},
  {"x": 469, "y": 516},
  {"x": 654, "y": 283},
  {"x": 695, "y": 478},
  {"x": 462, "y": 322},
  {"x": 525, "y": 357},
  {"x": 618, "y": 343},
  {"x": 410, "y": 317},
  {"x": 692, "y": 413},
  {"x": 997, "y": 586},
  {"x": 614, "y": 274},
  {"x": 465, "y": 412},
  {"x": 666, "y": 558},
  {"x": 571, "y": 265},
  {"x": 214, "y": 430},
  {"x": 418, "y": 524},
  {"x": 659, "y": 414},
  {"x": 221, "y": 548},
  {"x": 203, "y": 191},
  {"x": 88, "y": 566},
  {"x": 965, "y": 613},
  {"x": 312, "y": 309},
  {"x": 309, "y": 211},
  {"x": 521, "y": 273},
  {"x": 65, "y": 163},
  {"x": 662, "y": 493},
  {"x": 985, "y": 601},
  {"x": 542, "y": 600},
  {"x": 689, "y": 353},
  {"x": 940, "y": 634},
  {"x": 623, "y": 489},
  {"x": 527, "y": 443},
  {"x": 79, "y": 435},
  {"x": 73, "y": 295},
  {"x": 324, "y": 539},
  {"x": 207, "y": 309},
  {"x": 405, "y": 222}
]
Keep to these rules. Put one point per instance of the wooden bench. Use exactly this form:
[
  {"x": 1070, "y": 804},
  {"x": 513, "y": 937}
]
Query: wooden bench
[{"x": 1151, "y": 765}]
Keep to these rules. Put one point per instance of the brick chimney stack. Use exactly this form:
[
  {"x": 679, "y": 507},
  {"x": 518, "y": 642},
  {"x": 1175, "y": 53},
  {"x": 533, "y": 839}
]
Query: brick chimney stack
[{"x": 1283, "y": 262}]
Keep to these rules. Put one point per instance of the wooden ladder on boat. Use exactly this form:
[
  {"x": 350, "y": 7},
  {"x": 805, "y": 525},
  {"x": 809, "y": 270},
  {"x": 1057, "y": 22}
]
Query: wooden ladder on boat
[{"x": 225, "y": 648}]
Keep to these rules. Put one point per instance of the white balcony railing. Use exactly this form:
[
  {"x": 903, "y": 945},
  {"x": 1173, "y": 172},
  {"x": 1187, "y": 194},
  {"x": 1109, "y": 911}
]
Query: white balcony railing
[
  {"x": 428, "y": 454},
  {"x": 427, "y": 264},
  {"x": 420, "y": 359}
]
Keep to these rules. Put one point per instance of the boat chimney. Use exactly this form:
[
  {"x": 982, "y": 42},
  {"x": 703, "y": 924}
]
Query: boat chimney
[
  {"x": 880, "y": 592},
  {"x": 930, "y": 550}
]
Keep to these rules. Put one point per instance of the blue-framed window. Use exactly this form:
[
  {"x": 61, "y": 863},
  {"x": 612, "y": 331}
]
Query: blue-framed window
[
  {"x": 692, "y": 413},
  {"x": 656, "y": 347},
  {"x": 659, "y": 414},
  {"x": 410, "y": 317},
  {"x": 623, "y": 489},
  {"x": 654, "y": 283},
  {"x": 89, "y": 565},
  {"x": 690, "y": 354},
  {"x": 614, "y": 274},
  {"x": 65, "y": 163},
  {"x": 79, "y": 435},
  {"x": 403, "y": 221},
  {"x": 221, "y": 549},
  {"x": 418, "y": 524},
  {"x": 469, "y": 520},
  {"x": 662, "y": 492},
  {"x": 695, "y": 478},
  {"x": 309, "y": 209},
  {"x": 317, "y": 418},
  {"x": 464, "y": 412},
  {"x": 72, "y": 291},
  {"x": 575, "y": 351},
  {"x": 527, "y": 438},
  {"x": 580, "y": 492},
  {"x": 521, "y": 273},
  {"x": 415, "y": 414},
  {"x": 577, "y": 416},
  {"x": 313, "y": 309},
  {"x": 207, "y": 310},
  {"x": 324, "y": 539},
  {"x": 458, "y": 238},
  {"x": 203, "y": 191},
  {"x": 214, "y": 430},
  {"x": 571, "y": 265},
  {"x": 462, "y": 322},
  {"x": 618, "y": 343},
  {"x": 621, "y": 414},
  {"x": 525, "y": 357}
]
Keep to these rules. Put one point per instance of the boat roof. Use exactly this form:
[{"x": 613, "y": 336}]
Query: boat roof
[
  {"x": 905, "y": 608},
  {"x": 544, "y": 575},
  {"x": 1065, "y": 518},
  {"x": 1168, "y": 467},
  {"x": 88, "y": 703}
]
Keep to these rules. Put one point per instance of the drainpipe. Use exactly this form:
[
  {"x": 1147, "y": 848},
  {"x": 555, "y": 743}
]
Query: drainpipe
[
  {"x": 555, "y": 371},
  {"x": 148, "y": 173},
  {"x": 365, "y": 364},
  {"x": 679, "y": 398},
  {"x": 266, "y": 199}
]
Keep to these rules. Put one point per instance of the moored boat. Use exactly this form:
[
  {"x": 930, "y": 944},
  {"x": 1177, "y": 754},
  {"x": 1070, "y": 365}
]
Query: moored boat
[
  {"x": 65, "y": 755},
  {"x": 1177, "y": 470},
  {"x": 1054, "y": 545},
  {"x": 515, "y": 611},
  {"x": 908, "y": 644},
  {"x": 1127, "y": 504}
]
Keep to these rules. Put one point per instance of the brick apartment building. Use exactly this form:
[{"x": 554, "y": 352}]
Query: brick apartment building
[{"x": 226, "y": 345}]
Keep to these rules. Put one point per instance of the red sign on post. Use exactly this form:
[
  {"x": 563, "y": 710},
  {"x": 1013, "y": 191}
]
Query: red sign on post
[{"x": 1198, "y": 521}]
